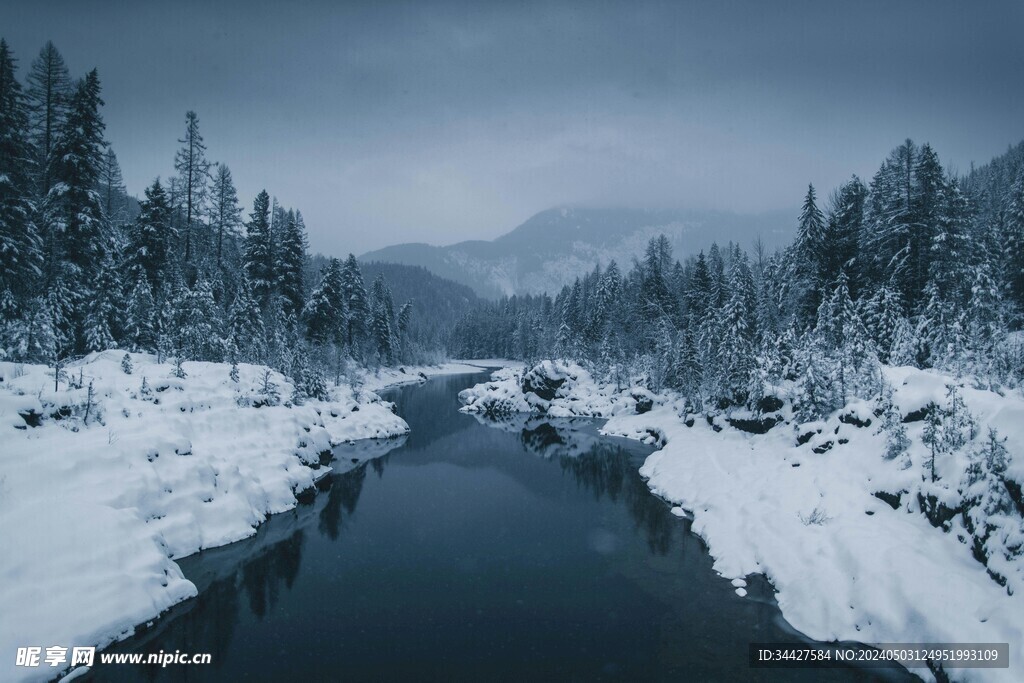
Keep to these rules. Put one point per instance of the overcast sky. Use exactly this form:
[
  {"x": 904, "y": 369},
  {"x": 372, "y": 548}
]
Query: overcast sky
[{"x": 436, "y": 122}]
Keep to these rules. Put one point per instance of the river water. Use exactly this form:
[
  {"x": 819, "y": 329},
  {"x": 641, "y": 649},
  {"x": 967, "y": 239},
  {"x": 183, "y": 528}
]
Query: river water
[{"x": 471, "y": 550}]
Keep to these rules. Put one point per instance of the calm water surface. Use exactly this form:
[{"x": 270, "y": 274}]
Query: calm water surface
[{"x": 470, "y": 550}]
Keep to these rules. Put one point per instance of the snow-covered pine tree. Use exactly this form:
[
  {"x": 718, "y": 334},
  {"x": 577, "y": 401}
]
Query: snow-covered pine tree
[
  {"x": 259, "y": 252},
  {"x": 102, "y": 324},
  {"x": 882, "y": 317},
  {"x": 198, "y": 324},
  {"x": 896, "y": 440},
  {"x": 139, "y": 323},
  {"x": 73, "y": 208},
  {"x": 324, "y": 313},
  {"x": 1012, "y": 238},
  {"x": 383, "y": 315},
  {"x": 357, "y": 305},
  {"x": 737, "y": 361},
  {"x": 402, "y": 322},
  {"x": 807, "y": 260},
  {"x": 20, "y": 241},
  {"x": 888, "y": 223},
  {"x": 843, "y": 228},
  {"x": 247, "y": 333},
  {"x": 291, "y": 263},
  {"x": 151, "y": 238}
]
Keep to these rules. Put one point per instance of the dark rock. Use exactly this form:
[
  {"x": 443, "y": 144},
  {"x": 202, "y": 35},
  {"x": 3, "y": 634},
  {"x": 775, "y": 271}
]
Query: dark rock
[
  {"x": 62, "y": 413},
  {"x": 769, "y": 404},
  {"x": 890, "y": 499},
  {"x": 1013, "y": 488},
  {"x": 543, "y": 387},
  {"x": 852, "y": 419},
  {"x": 918, "y": 415},
  {"x": 804, "y": 438},
  {"x": 32, "y": 418},
  {"x": 939, "y": 514},
  {"x": 644, "y": 403},
  {"x": 755, "y": 425},
  {"x": 823, "y": 448}
]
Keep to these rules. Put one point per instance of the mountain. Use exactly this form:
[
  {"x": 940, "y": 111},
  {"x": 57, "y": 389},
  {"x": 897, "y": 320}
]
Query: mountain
[{"x": 553, "y": 247}]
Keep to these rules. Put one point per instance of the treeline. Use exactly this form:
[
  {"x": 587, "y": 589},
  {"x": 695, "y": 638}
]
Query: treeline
[
  {"x": 918, "y": 267},
  {"x": 84, "y": 267}
]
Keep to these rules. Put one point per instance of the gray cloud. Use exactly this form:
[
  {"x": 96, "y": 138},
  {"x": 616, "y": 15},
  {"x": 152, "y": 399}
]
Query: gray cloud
[{"x": 390, "y": 122}]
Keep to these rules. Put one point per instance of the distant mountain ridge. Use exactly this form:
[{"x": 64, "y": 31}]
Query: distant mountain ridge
[{"x": 551, "y": 248}]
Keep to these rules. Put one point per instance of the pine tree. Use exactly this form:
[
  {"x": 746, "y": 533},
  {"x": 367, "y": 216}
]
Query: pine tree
[
  {"x": 225, "y": 213},
  {"x": 736, "y": 349},
  {"x": 49, "y": 94},
  {"x": 259, "y": 252},
  {"x": 840, "y": 247},
  {"x": 73, "y": 207},
  {"x": 896, "y": 440},
  {"x": 247, "y": 332},
  {"x": 383, "y": 321},
  {"x": 807, "y": 259},
  {"x": 1012, "y": 256},
  {"x": 198, "y": 324},
  {"x": 139, "y": 317},
  {"x": 402, "y": 327},
  {"x": 151, "y": 238},
  {"x": 928, "y": 211},
  {"x": 883, "y": 315},
  {"x": 358, "y": 308},
  {"x": 951, "y": 249},
  {"x": 112, "y": 190},
  {"x": 291, "y": 263},
  {"x": 193, "y": 176},
  {"x": 325, "y": 314},
  {"x": 888, "y": 224},
  {"x": 102, "y": 320},
  {"x": 20, "y": 242}
]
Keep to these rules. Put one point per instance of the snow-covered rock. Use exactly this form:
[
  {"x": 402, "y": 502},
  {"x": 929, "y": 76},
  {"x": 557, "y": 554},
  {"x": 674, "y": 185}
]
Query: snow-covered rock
[{"x": 105, "y": 482}]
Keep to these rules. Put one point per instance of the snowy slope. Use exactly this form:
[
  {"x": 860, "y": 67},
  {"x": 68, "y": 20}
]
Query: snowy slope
[
  {"x": 92, "y": 515},
  {"x": 846, "y": 565}
]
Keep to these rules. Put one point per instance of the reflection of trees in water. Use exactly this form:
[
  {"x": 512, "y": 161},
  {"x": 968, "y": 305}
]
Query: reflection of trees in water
[
  {"x": 343, "y": 495},
  {"x": 607, "y": 471},
  {"x": 600, "y": 466},
  {"x": 208, "y": 623},
  {"x": 263, "y": 575}
]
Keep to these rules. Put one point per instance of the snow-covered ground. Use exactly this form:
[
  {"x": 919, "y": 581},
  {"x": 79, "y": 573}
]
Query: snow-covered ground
[
  {"x": 94, "y": 512},
  {"x": 846, "y": 565},
  {"x": 384, "y": 378}
]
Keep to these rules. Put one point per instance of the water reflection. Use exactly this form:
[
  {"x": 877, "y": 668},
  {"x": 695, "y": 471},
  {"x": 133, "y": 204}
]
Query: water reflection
[{"x": 605, "y": 467}]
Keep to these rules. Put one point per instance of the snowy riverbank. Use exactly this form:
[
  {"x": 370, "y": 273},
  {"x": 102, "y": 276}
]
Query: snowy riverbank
[
  {"x": 101, "y": 491},
  {"x": 797, "y": 504}
]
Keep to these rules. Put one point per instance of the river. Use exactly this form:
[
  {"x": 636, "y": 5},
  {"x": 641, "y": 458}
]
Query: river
[{"x": 526, "y": 549}]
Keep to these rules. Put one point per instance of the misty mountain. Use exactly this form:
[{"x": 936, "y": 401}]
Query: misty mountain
[{"x": 553, "y": 247}]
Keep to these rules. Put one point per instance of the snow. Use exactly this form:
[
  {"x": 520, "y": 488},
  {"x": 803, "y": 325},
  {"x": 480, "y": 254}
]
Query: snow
[
  {"x": 845, "y": 565},
  {"x": 93, "y": 515},
  {"x": 382, "y": 378}
]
